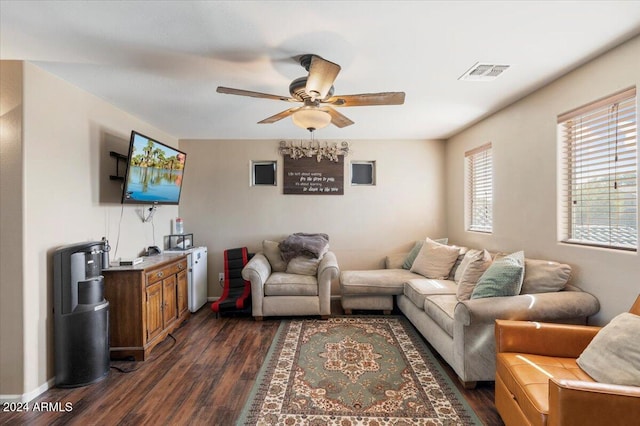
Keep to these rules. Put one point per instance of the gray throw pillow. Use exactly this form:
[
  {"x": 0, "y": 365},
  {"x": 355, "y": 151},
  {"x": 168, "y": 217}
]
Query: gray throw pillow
[
  {"x": 613, "y": 356},
  {"x": 502, "y": 278}
]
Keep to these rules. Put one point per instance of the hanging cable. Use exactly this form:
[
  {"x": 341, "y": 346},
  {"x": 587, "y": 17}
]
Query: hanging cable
[{"x": 115, "y": 253}]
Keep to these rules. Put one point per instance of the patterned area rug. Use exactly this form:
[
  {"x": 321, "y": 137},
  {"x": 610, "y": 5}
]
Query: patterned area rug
[{"x": 353, "y": 371}]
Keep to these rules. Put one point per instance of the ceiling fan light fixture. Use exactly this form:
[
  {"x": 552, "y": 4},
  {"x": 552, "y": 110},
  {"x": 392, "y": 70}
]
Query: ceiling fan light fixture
[
  {"x": 311, "y": 118},
  {"x": 322, "y": 74}
]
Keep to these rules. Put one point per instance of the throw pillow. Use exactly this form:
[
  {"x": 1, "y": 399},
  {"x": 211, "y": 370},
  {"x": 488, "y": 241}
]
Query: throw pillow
[
  {"x": 435, "y": 260},
  {"x": 468, "y": 257},
  {"x": 474, "y": 264},
  {"x": 303, "y": 265},
  {"x": 273, "y": 255},
  {"x": 502, "y": 278},
  {"x": 461, "y": 254},
  {"x": 543, "y": 276},
  {"x": 613, "y": 356},
  {"x": 411, "y": 257}
]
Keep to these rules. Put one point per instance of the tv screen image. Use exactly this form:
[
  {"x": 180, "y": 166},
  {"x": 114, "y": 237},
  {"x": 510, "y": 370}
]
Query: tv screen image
[{"x": 154, "y": 172}]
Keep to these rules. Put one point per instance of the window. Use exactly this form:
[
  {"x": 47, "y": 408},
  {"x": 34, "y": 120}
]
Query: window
[
  {"x": 599, "y": 187},
  {"x": 479, "y": 189},
  {"x": 363, "y": 173},
  {"x": 263, "y": 173}
]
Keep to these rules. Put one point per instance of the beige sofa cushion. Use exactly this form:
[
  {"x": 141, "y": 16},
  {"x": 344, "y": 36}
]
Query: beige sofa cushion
[
  {"x": 283, "y": 284},
  {"x": 378, "y": 281},
  {"x": 544, "y": 276},
  {"x": 418, "y": 289},
  {"x": 435, "y": 260},
  {"x": 440, "y": 308},
  {"x": 395, "y": 261},
  {"x": 273, "y": 255}
]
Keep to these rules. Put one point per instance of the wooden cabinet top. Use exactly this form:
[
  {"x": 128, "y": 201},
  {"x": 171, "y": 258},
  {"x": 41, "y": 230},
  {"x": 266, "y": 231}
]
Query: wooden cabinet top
[{"x": 149, "y": 262}]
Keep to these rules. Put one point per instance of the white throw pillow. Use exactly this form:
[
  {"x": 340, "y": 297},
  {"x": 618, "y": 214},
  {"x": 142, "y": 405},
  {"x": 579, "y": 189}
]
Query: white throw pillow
[
  {"x": 408, "y": 261},
  {"x": 613, "y": 356},
  {"x": 435, "y": 260},
  {"x": 303, "y": 265}
]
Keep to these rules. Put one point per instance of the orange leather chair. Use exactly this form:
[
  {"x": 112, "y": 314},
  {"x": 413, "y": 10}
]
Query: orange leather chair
[{"x": 538, "y": 381}]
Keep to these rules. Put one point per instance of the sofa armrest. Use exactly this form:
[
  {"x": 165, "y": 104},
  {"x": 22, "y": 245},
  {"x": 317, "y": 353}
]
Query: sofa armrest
[
  {"x": 550, "y": 307},
  {"x": 328, "y": 268},
  {"x": 327, "y": 271},
  {"x": 558, "y": 340},
  {"x": 257, "y": 270},
  {"x": 573, "y": 402}
]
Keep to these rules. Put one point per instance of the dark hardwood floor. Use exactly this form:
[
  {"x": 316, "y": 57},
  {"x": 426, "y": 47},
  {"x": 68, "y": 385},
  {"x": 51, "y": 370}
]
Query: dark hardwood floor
[{"x": 204, "y": 376}]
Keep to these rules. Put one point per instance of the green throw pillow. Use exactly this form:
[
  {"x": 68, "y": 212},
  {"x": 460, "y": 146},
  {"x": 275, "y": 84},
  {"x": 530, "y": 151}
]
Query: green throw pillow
[
  {"x": 503, "y": 278},
  {"x": 411, "y": 257}
]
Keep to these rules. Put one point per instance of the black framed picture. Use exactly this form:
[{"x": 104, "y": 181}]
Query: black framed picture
[
  {"x": 309, "y": 176},
  {"x": 263, "y": 173},
  {"x": 363, "y": 173}
]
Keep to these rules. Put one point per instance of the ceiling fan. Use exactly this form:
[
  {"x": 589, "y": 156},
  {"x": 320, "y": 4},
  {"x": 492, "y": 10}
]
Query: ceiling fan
[{"x": 315, "y": 91}]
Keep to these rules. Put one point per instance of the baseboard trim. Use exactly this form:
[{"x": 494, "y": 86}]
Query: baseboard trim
[{"x": 26, "y": 397}]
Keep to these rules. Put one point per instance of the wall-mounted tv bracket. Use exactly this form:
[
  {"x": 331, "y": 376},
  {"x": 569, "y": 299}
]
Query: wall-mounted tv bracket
[{"x": 118, "y": 157}]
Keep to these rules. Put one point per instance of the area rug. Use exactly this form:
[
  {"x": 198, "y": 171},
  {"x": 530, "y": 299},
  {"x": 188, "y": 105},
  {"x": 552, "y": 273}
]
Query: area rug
[{"x": 371, "y": 370}]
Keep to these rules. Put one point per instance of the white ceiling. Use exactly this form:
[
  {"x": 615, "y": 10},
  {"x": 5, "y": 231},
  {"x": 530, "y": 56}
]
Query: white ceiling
[{"x": 162, "y": 60}]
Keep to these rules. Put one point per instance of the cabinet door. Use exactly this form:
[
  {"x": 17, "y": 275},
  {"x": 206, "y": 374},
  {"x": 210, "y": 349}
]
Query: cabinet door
[
  {"x": 170, "y": 308},
  {"x": 154, "y": 310},
  {"x": 183, "y": 292}
]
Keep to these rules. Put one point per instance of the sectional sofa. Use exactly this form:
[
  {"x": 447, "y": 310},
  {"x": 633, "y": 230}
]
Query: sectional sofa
[{"x": 458, "y": 327}]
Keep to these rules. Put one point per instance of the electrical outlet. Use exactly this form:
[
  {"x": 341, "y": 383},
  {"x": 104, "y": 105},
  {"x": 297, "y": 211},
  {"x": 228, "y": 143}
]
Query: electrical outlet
[{"x": 221, "y": 276}]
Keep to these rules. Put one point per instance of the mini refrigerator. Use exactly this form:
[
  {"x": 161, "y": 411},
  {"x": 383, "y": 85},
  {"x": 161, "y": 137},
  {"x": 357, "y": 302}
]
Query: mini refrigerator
[
  {"x": 197, "y": 261},
  {"x": 197, "y": 275}
]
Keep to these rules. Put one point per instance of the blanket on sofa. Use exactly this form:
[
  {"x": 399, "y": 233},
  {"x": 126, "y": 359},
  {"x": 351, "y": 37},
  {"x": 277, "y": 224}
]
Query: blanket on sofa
[{"x": 301, "y": 244}]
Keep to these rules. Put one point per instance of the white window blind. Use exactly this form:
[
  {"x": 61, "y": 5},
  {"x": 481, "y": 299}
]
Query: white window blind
[
  {"x": 479, "y": 189},
  {"x": 600, "y": 173}
]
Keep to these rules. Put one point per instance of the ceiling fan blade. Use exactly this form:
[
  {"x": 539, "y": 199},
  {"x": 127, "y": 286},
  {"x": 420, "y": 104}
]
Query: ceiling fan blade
[
  {"x": 322, "y": 74},
  {"x": 338, "y": 119},
  {"x": 367, "y": 99},
  {"x": 279, "y": 116},
  {"x": 240, "y": 92}
]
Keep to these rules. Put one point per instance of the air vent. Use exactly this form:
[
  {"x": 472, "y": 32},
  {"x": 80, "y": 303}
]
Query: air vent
[{"x": 483, "y": 72}]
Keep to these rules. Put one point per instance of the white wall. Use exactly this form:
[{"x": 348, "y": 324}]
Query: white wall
[
  {"x": 525, "y": 175},
  {"x": 67, "y": 197},
  {"x": 364, "y": 225},
  {"x": 11, "y": 300}
]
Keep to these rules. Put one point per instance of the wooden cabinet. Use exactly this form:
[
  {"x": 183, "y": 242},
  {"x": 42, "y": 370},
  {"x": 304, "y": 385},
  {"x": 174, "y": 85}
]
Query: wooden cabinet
[
  {"x": 146, "y": 302},
  {"x": 154, "y": 304}
]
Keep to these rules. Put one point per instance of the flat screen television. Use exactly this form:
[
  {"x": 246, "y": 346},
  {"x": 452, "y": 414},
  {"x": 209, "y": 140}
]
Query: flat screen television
[{"x": 154, "y": 172}]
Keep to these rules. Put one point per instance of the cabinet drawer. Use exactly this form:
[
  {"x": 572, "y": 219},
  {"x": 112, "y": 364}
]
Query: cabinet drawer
[{"x": 167, "y": 271}]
